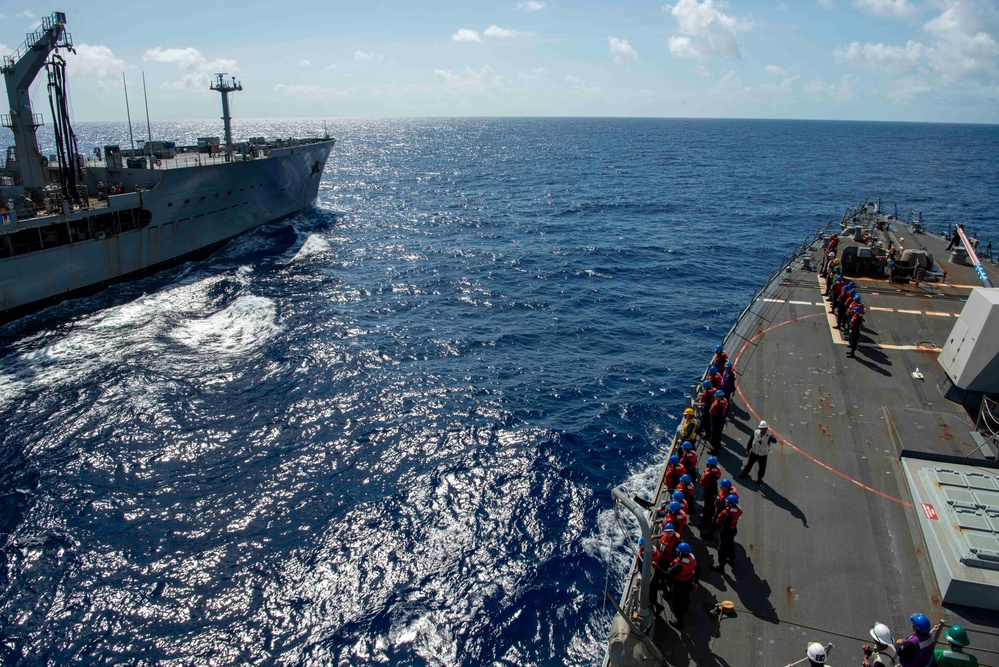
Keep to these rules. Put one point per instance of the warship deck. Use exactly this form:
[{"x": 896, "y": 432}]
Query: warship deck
[{"x": 830, "y": 543}]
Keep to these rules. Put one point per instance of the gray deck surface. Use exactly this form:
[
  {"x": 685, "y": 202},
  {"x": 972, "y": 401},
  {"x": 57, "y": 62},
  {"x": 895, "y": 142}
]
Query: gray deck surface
[{"x": 830, "y": 540}]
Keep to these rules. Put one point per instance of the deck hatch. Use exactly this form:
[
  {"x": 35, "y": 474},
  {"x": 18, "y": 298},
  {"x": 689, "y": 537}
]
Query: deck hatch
[
  {"x": 971, "y": 519},
  {"x": 949, "y": 477},
  {"x": 977, "y": 480}
]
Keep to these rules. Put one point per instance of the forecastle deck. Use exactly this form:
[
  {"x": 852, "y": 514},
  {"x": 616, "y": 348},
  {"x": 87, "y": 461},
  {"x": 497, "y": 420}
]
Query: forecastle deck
[{"x": 829, "y": 543}]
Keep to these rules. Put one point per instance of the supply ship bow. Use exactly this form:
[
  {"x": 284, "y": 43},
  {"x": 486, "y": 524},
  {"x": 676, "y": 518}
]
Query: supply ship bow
[
  {"x": 881, "y": 498},
  {"x": 71, "y": 224}
]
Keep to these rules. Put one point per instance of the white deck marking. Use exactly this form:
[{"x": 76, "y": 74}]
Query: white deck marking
[{"x": 837, "y": 336}]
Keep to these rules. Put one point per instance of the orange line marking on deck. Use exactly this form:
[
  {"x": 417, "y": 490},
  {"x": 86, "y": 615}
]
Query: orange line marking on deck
[{"x": 787, "y": 442}]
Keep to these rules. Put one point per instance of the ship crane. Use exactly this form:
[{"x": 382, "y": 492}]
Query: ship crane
[{"x": 19, "y": 71}]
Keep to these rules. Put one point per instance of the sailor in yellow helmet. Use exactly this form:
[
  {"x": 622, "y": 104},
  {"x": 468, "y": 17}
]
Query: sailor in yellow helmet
[{"x": 688, "y": 426}]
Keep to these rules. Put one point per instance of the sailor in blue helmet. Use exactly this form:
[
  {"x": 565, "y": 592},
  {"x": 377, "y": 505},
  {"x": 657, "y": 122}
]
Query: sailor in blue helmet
[
  {"x": 704, "y": 402},
  {"x": 709, "y": 482},
  {"x": 684, "y": 574},
  {"x": 719, "y": 411},
  {"x": 688, "y": 457},
  {"x": 728, "y": 380},
  {"x": 727, "y": 520},
  {"x": 856, "y": 325},
  {"x": 844, "y": 300},
  {"x": 673, "y": 471},
  {"x": 917, "y": 649},
  {"x": 720, "y": 358}
]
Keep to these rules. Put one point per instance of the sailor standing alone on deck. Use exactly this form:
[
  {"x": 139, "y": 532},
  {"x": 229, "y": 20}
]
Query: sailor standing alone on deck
[{"x": 758, "y": 449}]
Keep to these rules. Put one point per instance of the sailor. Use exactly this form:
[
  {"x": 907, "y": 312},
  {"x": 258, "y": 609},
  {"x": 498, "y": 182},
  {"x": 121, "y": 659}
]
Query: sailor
[
  {"x": 679, "y": 497},
  {"x": 720, "y": 358},
  {"x": 704, "y": 402},
  {"x": 955, "y": 238},
  {"x": 725, "y": 489},
  {"x": 685, "y": 573},
  {"x": 714, "y": 377},
  {"x": 688, "y": 458},
  {"x": 719, "y": 411},
  {"x": 676, "y": 516},
  {"x": 955, "y": 656},
  {"x": 835, "y": 271},
  {"x": 689, "y": 426},
  {"x": 728, "y": 380},
  {"x": 853, "y": 302},
  {"x": 882, "y": 654},
  {"x": 837, "y": 289},
  {"x": 758, "y": 449},
  {"x": 815, "y": 654},
  {"x": 709, "y": 482},
  {"x": 673, "y": 472},
  {"x": 686, "y": 487},
  {"x": 917, "y": 649},
  {"x": 727, "y": 520},
  {"x": 841, "y": 308},
  {"x": 668, "y": 543},
  {"x": 856, "y": 324}
]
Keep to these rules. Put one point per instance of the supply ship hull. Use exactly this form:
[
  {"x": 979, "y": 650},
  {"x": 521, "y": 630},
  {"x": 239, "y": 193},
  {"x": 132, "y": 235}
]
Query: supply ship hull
[
  {"x": 164, "y": 215},
  {"x": 70, "y": 224},
  {"x": 880, "y": 498}
]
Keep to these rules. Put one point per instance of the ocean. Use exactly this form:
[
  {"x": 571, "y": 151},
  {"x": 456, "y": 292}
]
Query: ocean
[{"x": 385, "y": 430}]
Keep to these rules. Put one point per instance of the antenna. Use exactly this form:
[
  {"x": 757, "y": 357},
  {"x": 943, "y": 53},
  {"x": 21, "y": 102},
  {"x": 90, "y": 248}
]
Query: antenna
[
  {"x": 149, "y": 130},
  {"x": 128, "y": 112},
  {"x": 225, "y": 87}
]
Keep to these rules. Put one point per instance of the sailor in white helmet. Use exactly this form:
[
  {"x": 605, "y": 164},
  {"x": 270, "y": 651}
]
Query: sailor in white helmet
[
  {"x": 882, "y": 654},
  {"x": 816, "y": 654}
]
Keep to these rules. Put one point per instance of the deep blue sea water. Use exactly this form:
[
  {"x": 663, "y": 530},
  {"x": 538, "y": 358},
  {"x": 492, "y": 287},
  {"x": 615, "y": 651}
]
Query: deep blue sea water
[{"x": 385, "y": 430}]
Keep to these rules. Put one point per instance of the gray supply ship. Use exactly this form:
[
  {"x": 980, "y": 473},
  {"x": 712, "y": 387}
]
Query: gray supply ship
[
  {"x": 72, "y": 225},
  {"x": 881, "y": 497}
]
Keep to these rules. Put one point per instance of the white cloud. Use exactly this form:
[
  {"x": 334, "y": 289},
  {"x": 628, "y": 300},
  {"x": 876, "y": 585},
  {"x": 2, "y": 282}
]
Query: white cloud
[
  {"x": 531, "y": 6},
  {"x": 737, "y": 94},
  {"x": 533, "y": 74},
  {"x": 841, "y": 92},
  {"x": 891, "y": 8},
  {"x": 580, "y": 87},
  {"x": 621, "y": 50},
  {"x": 776, "y": 69},
  {"x": 94, "y": 60},
  {"x": 907, "y": 89},
  {"x": 447, "y": 75},
  {"x": 304, "y": 62},
  {"x": 197, "y": 73},
  {"x": 703, "y": 22},
  {"x": 314, "y": 93},
  {"x": 466, "y": 35},
  {"x": 5, "y": 50},
  {"x": 683, "y": 48},
  {"x": 472, "y": 80},
  {"x": 496, "y": 32},
  {"x": 963, "y": 43},
  {"x": 883, "y": 56},
  {"x": 827, "y": 4},
  {"x": 366, "y": 56}
]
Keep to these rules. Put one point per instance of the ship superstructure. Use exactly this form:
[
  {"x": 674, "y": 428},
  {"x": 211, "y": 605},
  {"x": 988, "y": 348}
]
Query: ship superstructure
[{"x": 74, "y": 224}]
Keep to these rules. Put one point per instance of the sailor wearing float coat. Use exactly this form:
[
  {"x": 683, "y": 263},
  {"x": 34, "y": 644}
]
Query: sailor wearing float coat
[{"x": 758, "y": 449}]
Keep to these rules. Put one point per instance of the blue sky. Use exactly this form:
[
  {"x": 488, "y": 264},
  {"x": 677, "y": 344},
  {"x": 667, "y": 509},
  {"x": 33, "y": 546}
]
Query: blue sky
[{"x": 909, "y": 60}]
